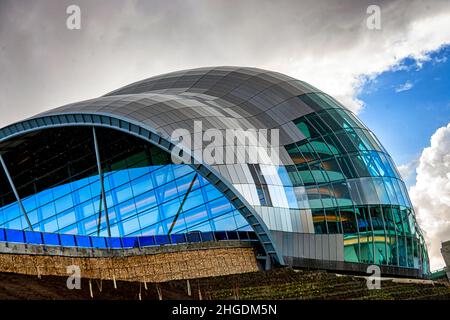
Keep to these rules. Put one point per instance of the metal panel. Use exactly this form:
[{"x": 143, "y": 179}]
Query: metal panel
[
  {"x": 340, "y": 247},
  {"x": 333, "y": 243},
  {"x": 326, "y": 239},
  {"x": 318, "y": 247}
]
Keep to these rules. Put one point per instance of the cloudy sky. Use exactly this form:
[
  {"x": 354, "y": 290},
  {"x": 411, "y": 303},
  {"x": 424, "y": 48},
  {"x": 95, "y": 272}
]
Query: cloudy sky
[{"x": 384, "y": 75}]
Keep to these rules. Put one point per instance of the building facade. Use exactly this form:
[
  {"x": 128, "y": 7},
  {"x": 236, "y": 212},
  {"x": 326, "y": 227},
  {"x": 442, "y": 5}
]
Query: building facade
[{"x": 101, "y": 173}]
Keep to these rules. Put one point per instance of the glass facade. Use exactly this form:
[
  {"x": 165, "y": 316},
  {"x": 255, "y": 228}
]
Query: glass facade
[
  {"x": 353, "y": 187},
  {"x": 56, "y": 176}
]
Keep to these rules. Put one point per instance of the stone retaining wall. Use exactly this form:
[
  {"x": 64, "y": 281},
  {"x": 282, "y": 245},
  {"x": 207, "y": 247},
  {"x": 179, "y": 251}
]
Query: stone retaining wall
[{"x": 160, "y": 265}]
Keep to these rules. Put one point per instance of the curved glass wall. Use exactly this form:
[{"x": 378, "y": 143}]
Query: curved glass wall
[
  {"x": 353, "y": 187},
  {"x": 57, "y": 179}
]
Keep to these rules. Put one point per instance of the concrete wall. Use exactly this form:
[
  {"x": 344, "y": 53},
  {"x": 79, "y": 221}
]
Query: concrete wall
[{"x": 150, "y": 265}]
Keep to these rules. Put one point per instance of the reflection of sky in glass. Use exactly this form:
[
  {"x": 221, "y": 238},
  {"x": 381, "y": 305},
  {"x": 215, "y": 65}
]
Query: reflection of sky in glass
[
  {"x": 141, "y": 201},
  {"x": 353, "y": 187}
]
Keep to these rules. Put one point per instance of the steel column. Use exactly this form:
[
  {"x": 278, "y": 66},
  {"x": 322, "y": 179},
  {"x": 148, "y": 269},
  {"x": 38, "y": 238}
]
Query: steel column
[
  {"x": 102, "y": 187},
  {"x": 182, "y": 203},
  {"x": 16, "y": 194}
]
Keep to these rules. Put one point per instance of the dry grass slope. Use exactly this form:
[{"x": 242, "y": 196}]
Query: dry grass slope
[{"x": 274, "y": 284}]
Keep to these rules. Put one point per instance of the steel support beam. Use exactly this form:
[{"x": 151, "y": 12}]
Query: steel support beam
[
  {"x": 102, "y": 186},
  {"x": 16, "y": 194},
  {"x": 182, "y": 203}
]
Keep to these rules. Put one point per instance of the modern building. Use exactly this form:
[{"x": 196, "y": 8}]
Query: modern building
[{"x": 99, "y": 173}]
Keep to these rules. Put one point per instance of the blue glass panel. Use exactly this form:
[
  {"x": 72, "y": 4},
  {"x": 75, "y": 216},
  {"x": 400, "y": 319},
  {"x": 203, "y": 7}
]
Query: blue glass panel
[
  {"x": 166, "y": 192},
  {"x": 2, "y": 235},
  {"x": 84, "y": 194},
  {"x": 390, "y": 190},
  {"x": 177, "y": 238},
  {"x": 146, "y": 241},
  {"x": 225, "y": 222},
  {"x": 163, "y": 175},
  {"x": 145, "y": 201},
  {"x": 170, "y": 208},
  {"x": 131, "y": 225},
  {"x": 181, "y": 170},
  {"x": 61, "y": 190},
  {"x": 67, "y": 218},
  {"x": 29, "y": 203},
  {"x": 98, "y": 242},
  {"x": 195, "y": 216},
  {"x": 15, "y": 236},
  {"x": 64, "y": 203},
  {"x": 193, "y": 237},
  {"x": 398, "y": 192},
  {"x": 123, "y": 192},
  {"x": 162, "y": 239},
  {"x": 202, "y": 227},
  {"x": 149, "y": 217},
  {"x": 83, "y": 241},
  {"x": 114, "y": 242},
  {"x": 211, "y": 192},
  {"x": 379, "y": 164},
  {"x": 34, "y": 219},
  {"x": 45, "y": 196},
  {"x": 380, "y": 188},
  {"x": 246, "y": 228},
  {"x": 389, "y": 171},
  {"x": 51, "y": 239},
  {"x": 126, "y": 209},
  {"x": 184, "y": 183},
  {"x": 119, "y": 178},
  {"x": 219, "y": 207},
  {"x": 207, "y": 236},
  {"x": 67, "y": 240},
  {"x": 33, "y": 237},
  {"x": 130, "y": 242},
  {"x": 139, "y": 173}
]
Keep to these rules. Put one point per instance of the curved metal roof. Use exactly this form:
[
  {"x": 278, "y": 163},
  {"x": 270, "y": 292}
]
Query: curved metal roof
[{"x": 221, "y": 97}]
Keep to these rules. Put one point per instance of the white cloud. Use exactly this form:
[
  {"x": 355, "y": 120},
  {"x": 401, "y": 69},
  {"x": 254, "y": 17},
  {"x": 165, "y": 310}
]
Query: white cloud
[
  {"x": 440, "y": 59},
  {"x": 431, "y": 193},
  {"x": 408, "y": 169},
  {"x": 404, "y": 87}
]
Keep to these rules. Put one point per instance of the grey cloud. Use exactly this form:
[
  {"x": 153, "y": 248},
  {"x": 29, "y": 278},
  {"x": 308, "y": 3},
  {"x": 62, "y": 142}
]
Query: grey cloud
[{"x": 44, "y": 65}]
